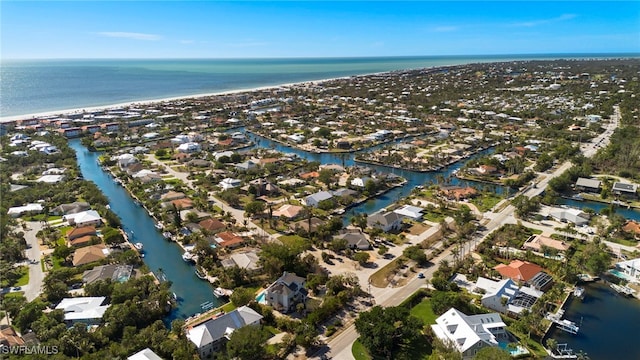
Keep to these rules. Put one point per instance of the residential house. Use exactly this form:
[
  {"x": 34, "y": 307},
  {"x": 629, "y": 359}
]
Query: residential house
[
  {"x": 9, "y": 337},
  {"x": 286, "y": 292},
  {"x": 288, "y": 211},
  {"x": 385, "y": 220},
  {"x": 315, "y": 199},
  {"x": 114, "y": 272},
  {"x": 572, "y": 215},
  {"x": 632, "y": 227},
  {"x": 246, "y": 166},
  {"x": 588, "y": 185},
  {"x": 360, "y": 181},
  {"x": 410, "y": 211},
  {"x": 172, "y": 195},
  {"x": 71, "y": 132},
  {"x": 310, "y": 175},
  {"x": 229, "y": 183},
  {"x": 631, "y": 268},
  {"x": 518, "y": 270},
  {"x": 470, "y": 333},
  {"x": 211, "y": 225},
  {"x": 87, "y": 310},
  {"x": 539, "y": 242},
  {"x": 506, "y": 296},
  {"x": 625, "y": 189},
  {"x": 459, "y": 193},
  {"x": 72, "y": 208},
  {"x": 145, "y": 354},
  {"x": 17, "y": 211},
  {"x": 89, "y": 254},
  {"x": 355, "y": 240},
  {"x": 189, "y": 148},
  {"x": 83, "y": 218},
  {"x": 304, "y": 225},
  {"x": 210, "y": 336},
  {"x": 248, "y": 260},
  {"x": 81, "y": 236},
  {"x": 264, "y": 187},
  {"x": 229, "y": 240}
]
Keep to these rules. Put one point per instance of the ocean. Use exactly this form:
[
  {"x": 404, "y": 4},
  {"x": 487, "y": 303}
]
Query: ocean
[{"x": 35, "y": 86}]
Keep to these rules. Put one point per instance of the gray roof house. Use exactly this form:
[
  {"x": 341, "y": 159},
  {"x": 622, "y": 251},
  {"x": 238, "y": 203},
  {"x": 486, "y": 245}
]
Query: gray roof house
[
  {"x": 387, "y": 221},
  {"x": 210, "y": 336},
  {"x": 286, "y": 292},
  {"x": 315, "y": 199},
  {"x": 355, "y": 240},
  {"x": 146, "y": 354},
  {"x": 115, "y": 272},
  {"x": 620, "y": 188},
  {"x": 72, "y": 208},
  {"x": 590, "y": 185}
]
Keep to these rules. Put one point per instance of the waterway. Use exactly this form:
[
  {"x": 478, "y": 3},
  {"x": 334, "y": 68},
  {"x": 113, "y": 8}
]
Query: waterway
[
  {"x": 608, "y": 324},
  {"x": 631, "y": 214},
  {"x": 161, "y": 256}
]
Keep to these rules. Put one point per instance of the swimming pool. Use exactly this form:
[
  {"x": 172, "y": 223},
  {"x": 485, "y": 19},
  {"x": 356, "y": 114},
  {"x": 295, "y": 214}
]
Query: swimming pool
[
  {"x": 619, "y": 274},
  {"x": 518, "y": 350},
  {"x": 260, "y": 298}
]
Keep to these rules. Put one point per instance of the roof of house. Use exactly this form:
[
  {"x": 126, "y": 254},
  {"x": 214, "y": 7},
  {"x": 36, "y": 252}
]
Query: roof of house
[
  {"x": 172, "y": 195},
  {"x": 81, "y": 308},
  {"x": 72, "y": 208},
  {"x": 182, "y": 203},
  {"x": 411, "y": 211},
  {"x": 319, "y": 196},
  {"x": 9, "y": 337},
  {"x": 288, "y": 211},
  {"x": 518, "y": 270},
  {"x": 215, "y": 329},
  {"x": 246, "y": 260},
  {"x": 228, "y": 238},
  {"x": 309, "y": 175},
  {"x": 536, "y": 242},
  {"x": 84, "y": 217},
  {"x": 632, "y": 227},
  {"x": 89, "y": 254},
  {"x": 385, "y": 219},
  {"x": 211, "y": 224},
  {"x": 146, "y": 354},
  {"x": 81, "y": 231},
  {"x": 115, "y": 272},
  {"x": 465, "y": 331},
  {"x": 624, "y": 187},
  {"x": 590, "y": 183},
  {"x": 356, "y": 239}
]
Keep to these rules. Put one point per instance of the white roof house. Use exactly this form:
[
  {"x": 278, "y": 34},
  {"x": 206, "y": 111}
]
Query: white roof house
[
  {"x": 19, "y": 210},
  {"x": 210, "y": 335},
  {"x": 189, "y": 147},
  {"x": 50, "y": 179},
  {"x": 85, "y": 309},
  {"x": 410, "y": 211},
  {"x": 575, "y": 216},
  {"x": 469, "y": 334},
  {"x": 631, "y": 268},
  {"x": 228, "y": 183},
  {"x": 89, "y": 217},
  {"x": 516, "y": 298},
  {"x": 315, "y": 199},
  {"x": 146, "y": 354}
]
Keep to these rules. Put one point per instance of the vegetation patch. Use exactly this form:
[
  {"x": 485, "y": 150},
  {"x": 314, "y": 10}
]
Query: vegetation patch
[
  {"x": 359, "y": 352},
  {"x": 381, "y": 277},
  {"x": 24, "y": 276},
  {"x": 424, "y": 312}
]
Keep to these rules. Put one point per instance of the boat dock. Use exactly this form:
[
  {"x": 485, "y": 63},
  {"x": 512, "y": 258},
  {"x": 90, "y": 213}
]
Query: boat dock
[
  {"x": 562, "y": 324},
  {"x": 623, "y": 290}
]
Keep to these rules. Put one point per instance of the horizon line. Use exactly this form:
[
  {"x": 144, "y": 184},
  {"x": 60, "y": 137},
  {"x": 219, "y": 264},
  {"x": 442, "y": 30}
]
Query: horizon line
[{"x": 330, "y": 57}]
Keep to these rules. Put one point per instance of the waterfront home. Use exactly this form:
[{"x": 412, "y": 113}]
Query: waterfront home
[
  {"x": 50, "y": 179},
  {"x": 632, "y": 227},
  {"x": 17, "y": 211},
  {"x": 360, "y": 181},
  {"x": 355, "y": 240},
  {"x": 83, "y": 218},
  {"x": 126, "y": 160},
  {"x": 89, "y": 254},
  {"x": 189, "y": 148},
  {"x": 172, "y": 195},
  {"x": 572, "y": 215},
  {"x": 410, "y": 211},
  {"x": 470, "y": 333},
  {"x": 286, "y": 292},
  {"x": 71, "y": 132},
  {"x": 87, "y": 310},
  {"x": 458, "y": 193},
  {"x": 315, "y": 199},
  {"x": 385, "y": 220},
  {"x": 145, "y": 354},
  {"x": 71, "y": 208},
  {"x": 210, "y": 336},
  {"x": 506, "y": 296},
  {"x": 631, "y": 268},
  {"x": 228, "y": 183},
  {"x": 539, "y": 242},
  {"x": 81, "y": 236},
  {"x": 248, "y": 260},
  {"x": 146, "y": 176},
  {"x": 625, "y": 189},
  {"x": 229, "y": 240},
  {"x": 114, "y": 272},
  {"x": 588, "y": 185}
]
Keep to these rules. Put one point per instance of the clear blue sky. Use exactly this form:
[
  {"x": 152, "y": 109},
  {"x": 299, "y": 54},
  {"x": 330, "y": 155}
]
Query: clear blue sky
[{"x": 240, "y": 29}]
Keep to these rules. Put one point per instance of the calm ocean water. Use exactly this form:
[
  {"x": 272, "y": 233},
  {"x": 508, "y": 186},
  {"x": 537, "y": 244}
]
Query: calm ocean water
[{"x": 33, "y": 86}]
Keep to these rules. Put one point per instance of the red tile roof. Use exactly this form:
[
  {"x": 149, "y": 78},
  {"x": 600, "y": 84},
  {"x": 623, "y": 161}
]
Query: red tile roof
[{"x": 518, "y": 270}]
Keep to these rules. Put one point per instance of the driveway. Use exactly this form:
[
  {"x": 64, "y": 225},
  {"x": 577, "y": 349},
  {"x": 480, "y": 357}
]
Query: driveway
[{"x": 36, "y": 276}]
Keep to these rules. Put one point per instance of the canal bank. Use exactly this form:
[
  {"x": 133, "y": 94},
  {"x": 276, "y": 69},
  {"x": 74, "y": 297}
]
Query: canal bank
[
  {"x": 162, "y": 257},
  {"x": 608, "y": 324}
]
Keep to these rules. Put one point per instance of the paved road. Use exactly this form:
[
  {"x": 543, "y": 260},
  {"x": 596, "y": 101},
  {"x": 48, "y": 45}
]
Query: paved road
[{"x": 36, "y": 275}]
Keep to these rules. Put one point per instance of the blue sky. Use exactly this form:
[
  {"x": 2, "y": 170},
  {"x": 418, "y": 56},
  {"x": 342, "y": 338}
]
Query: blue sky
[{"x": 243, "y": 29}]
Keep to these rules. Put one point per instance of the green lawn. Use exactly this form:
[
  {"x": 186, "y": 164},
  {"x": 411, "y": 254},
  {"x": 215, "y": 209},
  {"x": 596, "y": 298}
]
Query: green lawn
[
  {"x": 294, "y": 241},
  {"x": 359, "y": 352},
  {"x": 24, "y": 279},
  {"x": 486, "y": 201},
  {"x": 423, "y": 312}
]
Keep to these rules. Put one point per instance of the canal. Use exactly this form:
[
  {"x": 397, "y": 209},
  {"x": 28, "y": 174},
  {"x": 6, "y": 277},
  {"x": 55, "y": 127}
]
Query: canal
[
  {"x": 161, "y": 256},
  {"x": 608, "y": 324},
  {"x": 630, "y": 214}
]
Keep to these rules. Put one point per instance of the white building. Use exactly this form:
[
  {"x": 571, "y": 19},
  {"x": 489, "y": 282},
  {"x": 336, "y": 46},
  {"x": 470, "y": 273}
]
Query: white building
[
  {"x": 575, "y": 216},
  {"x": 410, "y": 211},
  {"x": 189, "y": 147},
  {"x": 28, "y": 208},
  {"x": 315, "y": 199},
  {"x": 228, "y": 183},
  {"x": 88, "y": 310},
  {"x": 83, "y": 218},
  {"x": 506, "y": 296},
  {"x": 631, "y": 268},
  {"x": 469, "y": 334}
]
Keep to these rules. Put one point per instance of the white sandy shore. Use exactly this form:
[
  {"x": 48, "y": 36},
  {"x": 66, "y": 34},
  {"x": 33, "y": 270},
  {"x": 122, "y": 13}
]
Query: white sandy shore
[{"x": 177, "y": 98}]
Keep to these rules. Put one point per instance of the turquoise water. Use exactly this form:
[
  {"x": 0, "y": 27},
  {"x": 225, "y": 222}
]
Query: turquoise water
[
  {"x": 32, "y": 86},
  {"x": 619, "y": 274},
  {"x": 260, "y": 298},
  {"x": 519, "y": 350}
]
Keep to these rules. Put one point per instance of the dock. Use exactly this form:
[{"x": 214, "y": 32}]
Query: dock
[{"x": 562, "y": 324}]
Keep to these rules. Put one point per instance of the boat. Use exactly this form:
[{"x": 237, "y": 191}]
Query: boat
[
  {"x": 577, "y": 197},
  {"x": 159, "y": 226},
  {"x": 200, "y": 274},
  {"x": 138, "y": 245},
  {"x": 220, "y": 292},
  {"x": 578, "y": 292},
  {"x": 187, "y": 256}
]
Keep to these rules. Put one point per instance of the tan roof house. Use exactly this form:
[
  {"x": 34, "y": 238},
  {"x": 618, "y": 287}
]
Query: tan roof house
[{"x": 89, "y": 254}]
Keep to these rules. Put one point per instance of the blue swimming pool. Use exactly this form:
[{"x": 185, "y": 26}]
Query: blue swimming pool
[
  {"x": 260, "y": 298},
  {"x": 518, "y": 350}
]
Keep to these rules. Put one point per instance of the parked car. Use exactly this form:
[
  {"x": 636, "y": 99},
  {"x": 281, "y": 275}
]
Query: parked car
[
  {"x": 17, "y": 288},
  {"x": 420, "y": 276}
]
